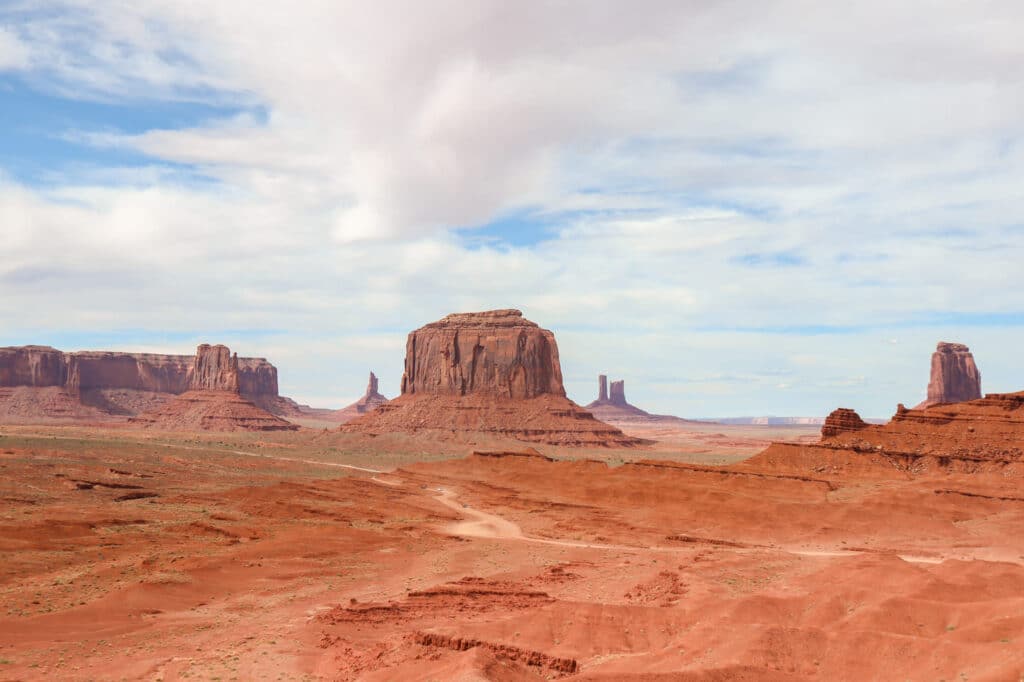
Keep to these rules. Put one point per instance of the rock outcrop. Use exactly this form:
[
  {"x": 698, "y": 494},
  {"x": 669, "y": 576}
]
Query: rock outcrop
[
  {"x": 488, "y": 374},
  {"x": 976, "y": 436},
  {"x": 954, "y": 376},
  {"x": 370, "y": 401},
  {"x": 841, "y": 420}
]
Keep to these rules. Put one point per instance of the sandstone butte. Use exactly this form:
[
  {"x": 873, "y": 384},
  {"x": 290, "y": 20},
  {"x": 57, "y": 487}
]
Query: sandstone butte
[
  {"x": 371, "y": 400},
  {"x": 613, "y": 408},
  {"x": 954, "y": 376},
  {"x": 489, "y": 373},
  {"x": 213, "y": 401},
  {"x": 43, "y": 383}
]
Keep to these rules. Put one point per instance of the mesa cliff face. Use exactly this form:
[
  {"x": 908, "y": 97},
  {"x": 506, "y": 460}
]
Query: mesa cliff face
[
  {"x": 497, "y": 353},
  {"x": 484, "y": 374},
  {"x": 214, "y": 369},
  {"x": 213, "y": 401},
  {"x": 31, "y": 366},
  {"x": 954, "y": 376}
]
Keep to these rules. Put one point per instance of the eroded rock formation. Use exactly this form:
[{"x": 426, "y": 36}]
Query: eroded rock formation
[
  {"x": 954, "y": 376},
  {"x": 485, "y": 374},
  {"x": 617, "y": 396},
  {"x": 31, "y": 366},
  {"x": 841, "y": 420},
  {"x": 613, "y": 408},
  {"x": 214, "y": 369},
  {"x": 370, "y": 401},
  {"x": 984, "y": 435},
  {"x": 213, "y": 401}
]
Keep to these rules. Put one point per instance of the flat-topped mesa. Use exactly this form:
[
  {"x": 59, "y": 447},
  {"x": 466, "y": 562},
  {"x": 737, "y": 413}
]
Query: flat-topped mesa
[
  {"x": 215, "y": 369},
  {"x": 842, "y": 420},
  {"x": 602, "y": 388},
  {"x": 495, "y": 352},
  {"x": 954, "y": 376},
  {"x": 492, "y": 374}
]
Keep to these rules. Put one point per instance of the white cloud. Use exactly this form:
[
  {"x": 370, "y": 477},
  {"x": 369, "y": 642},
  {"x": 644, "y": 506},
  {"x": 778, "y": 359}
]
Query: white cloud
[
  {"x": 704, "y": 167},
  {"x": 14, "y": 54}
]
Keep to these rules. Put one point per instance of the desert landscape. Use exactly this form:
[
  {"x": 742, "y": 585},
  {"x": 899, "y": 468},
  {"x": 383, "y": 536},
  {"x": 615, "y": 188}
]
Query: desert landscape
[
  {"x": 448, "y": 341},
  {"x": 482, "y": 526}
]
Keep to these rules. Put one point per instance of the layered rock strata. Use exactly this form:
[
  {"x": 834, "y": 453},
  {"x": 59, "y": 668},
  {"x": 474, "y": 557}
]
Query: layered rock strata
[
  {"x": 977, "y": 436},
  {"x": 486, "y": 374},
  {"x": 841, "y": 420},
  {"x": 115, "y": 384},
  {"x": 213, "y": 401}
]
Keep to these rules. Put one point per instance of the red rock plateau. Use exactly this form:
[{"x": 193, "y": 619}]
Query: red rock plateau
[
  {"x": 213, "y": 401},
  {"x": 370, "y": 401},
  {"x": 43, "y": 384},
  {"x": 954, "y": 376},
  {"x": 493, "y": 373},
  {"x": 614, "y": 409}
]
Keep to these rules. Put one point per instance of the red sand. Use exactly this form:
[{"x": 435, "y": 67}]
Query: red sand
[{"x": 140, "y": 561}]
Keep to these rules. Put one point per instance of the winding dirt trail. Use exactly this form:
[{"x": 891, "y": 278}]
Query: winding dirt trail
[{"x": 482, "y": 524}]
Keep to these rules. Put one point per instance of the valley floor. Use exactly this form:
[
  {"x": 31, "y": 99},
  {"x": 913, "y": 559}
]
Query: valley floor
[{"x": 125, "y": 556}]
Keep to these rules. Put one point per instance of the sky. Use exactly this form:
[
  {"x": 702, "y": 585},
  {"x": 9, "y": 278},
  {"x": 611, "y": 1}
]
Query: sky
[{"x": 739, "y": 208}]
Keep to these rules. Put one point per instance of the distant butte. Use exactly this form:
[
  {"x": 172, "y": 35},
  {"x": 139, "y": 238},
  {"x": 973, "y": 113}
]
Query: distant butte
[
  {"x": 612, "y": 406},
  {"x": 370, "y": 401},
  {"x": 954, "y": 376},
  {"x": 490, "y": 373}
]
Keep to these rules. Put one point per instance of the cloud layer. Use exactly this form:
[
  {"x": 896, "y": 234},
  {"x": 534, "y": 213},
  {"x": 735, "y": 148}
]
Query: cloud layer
[{"x": 736, "y": 207}]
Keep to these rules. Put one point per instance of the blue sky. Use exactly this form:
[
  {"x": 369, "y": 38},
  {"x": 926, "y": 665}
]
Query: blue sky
[{"x": 769, "y": 209}]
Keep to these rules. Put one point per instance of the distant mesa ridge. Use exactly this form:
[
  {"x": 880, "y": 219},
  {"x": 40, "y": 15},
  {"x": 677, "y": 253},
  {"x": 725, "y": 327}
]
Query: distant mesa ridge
[
  {"x": 88, "y": 370},
  {"x": 44, "y": 383}
]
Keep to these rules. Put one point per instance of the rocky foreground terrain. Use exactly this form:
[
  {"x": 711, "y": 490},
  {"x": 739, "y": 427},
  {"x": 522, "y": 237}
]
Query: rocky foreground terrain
[{"x": 128, "y": 556}]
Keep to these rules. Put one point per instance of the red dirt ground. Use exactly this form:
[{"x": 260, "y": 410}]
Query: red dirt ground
[{"x": 139, "y": 559}]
